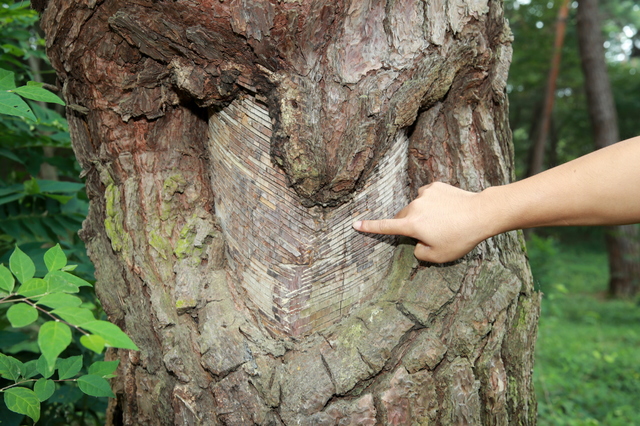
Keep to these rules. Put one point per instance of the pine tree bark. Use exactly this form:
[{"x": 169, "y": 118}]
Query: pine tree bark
[
  {"x": 170, "y": 104},
  {"x": 623, "y": 242}
]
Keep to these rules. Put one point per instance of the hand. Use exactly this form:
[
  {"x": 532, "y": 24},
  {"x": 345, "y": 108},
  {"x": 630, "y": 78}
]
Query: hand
[{"x": 447, "y": 222}]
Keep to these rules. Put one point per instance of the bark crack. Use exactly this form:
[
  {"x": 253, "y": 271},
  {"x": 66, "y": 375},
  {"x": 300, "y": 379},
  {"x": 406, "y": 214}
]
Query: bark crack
[
  {"x": 404, "y": 311},
  {"x": 374, "y": 370},
  {"x": 364, "y": 323},
  {"x": 326, "y": 366},
  {"x": 326, "y": 340}
]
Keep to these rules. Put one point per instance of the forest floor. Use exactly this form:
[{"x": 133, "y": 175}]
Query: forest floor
[{"x": 587, "y": 368}]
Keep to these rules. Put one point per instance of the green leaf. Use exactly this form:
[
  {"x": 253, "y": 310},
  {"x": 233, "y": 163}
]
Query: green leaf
[
  {"x": 58, "y": 283},
  {"x": 31, "y": 186},
  {"x": 11, "y": 189},
  {"x": 10, "y": 198},
  {"x": 7, "y": 80},
  {"x": 14, "y": 50},
  {"x": 36, "y": 93},
  {"x": 77, "y": 281},
  {"x": 21, "y": 315},
  {"x": 12, "y": 104},
  {"x": 44, "y": 367},
  {"x": 111, "y": 333},
  {"x": 94, "y": 385},
  {"x": 44, "y": 389},
  {"x": 58, "y": 186},
  {"x": 93, "y": 342},
  {"x": 7, "y": 282},
  {"x": 30, "y": 369},
  {"x": 21, "y": 265},
  {"x": 10, "y": 368},
  {"x": 55, "y": 258},
  {"x": 10, "y": 155},
  {"x": 67, "y": 394},
  {"x": 104, "y": 368},
  {"x": 69, "y": 367},
  {"x": 62, "y": 199},
  {"x": 75, "y": 316},
  {"x": 60, "y": 300},
  {"x": 23, "y": 401},
  {"x": 33, "y": 288},
  {"x": 53, "y": 338}
]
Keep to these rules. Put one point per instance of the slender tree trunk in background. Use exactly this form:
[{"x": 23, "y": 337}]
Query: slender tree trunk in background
[
  {"x": 228, "y": 146},
  {"x": 623, "y": 242},
  {"x": 536, "y": 163}
]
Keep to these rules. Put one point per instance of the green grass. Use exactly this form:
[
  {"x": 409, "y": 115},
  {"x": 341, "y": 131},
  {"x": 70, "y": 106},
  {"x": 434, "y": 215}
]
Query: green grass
[{"x": 588, "y": 352}]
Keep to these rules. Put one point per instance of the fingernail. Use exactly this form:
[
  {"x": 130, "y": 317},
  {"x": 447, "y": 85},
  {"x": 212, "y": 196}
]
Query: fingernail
[{"x": 357, "y": 225}]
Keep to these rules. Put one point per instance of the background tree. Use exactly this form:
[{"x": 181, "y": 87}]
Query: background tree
[
  {"x": 585, "y": 364},
  {"x": 342, "y": 85},
  {"x": 571, "y": 132},
  {"x": 536, "y": 159},
  {"x": 534, "y": 33},
  {"x": 623, "y": 242}
]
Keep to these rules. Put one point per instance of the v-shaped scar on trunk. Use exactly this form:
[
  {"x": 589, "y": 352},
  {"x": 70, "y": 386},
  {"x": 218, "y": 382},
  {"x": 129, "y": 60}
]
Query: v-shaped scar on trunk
[{"x": 302, "y": 268}]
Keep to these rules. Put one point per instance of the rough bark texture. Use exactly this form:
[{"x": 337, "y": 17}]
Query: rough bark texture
[
  {"x": 623, "y": 242},
  {"x": 151, "y": 84}
]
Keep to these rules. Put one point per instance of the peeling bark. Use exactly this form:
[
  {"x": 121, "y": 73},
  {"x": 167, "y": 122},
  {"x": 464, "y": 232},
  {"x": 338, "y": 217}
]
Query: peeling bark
[{"x": 341, "y": 84}]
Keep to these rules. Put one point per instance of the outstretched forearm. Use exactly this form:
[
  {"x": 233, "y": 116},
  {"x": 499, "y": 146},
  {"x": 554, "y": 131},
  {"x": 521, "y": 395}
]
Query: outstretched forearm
[{"x": 601, "y": 188}]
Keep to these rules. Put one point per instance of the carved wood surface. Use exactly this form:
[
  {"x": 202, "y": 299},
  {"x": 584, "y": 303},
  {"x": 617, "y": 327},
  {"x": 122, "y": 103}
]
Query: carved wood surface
[{"x": 342, "y": 81}]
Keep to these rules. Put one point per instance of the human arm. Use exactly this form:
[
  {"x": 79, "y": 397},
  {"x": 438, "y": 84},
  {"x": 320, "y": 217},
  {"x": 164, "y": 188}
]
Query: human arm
[{"x": 601, "y": 188}]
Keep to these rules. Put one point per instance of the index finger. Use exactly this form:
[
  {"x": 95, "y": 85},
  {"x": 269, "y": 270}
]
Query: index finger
[{"x": 383, "y": 226}]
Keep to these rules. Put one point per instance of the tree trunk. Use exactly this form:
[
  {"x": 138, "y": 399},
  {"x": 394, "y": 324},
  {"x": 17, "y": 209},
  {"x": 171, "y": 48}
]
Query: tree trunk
[
  {"x": 623, "y": 242},
  {"x": 229, "y": 145},
  {"x": 536, "y": 162}
]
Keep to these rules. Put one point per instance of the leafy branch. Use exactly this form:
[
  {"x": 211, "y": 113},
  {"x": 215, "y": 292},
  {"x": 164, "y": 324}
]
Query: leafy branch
[
  {"x": 11, "y": 96},
  {"x": 41, "y": 309},
  {"x": 29, "y": 296}
]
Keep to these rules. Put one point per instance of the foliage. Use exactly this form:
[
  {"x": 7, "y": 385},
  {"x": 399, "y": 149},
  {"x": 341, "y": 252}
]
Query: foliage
[
  {"x": 27, "y": 127},
  {"x": 11, "y": 96},
  {"x": 38, "y": 214},
  {"x": 20, "y": 39},
  {"x": 22, "y": 142},
  {"x": 586, "y": 357},
  {"x": 35, "y": 213},
  {"x": 533, "y": 25},
  {"x": 49, "y": 307}
]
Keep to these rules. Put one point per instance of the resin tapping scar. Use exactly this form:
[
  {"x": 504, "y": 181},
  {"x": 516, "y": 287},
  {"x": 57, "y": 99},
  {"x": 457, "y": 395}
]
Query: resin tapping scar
[{"x": 302, "y": 268}]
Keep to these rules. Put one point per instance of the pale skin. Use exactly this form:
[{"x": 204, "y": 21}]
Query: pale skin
[{"x": 601, "y": 188}]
